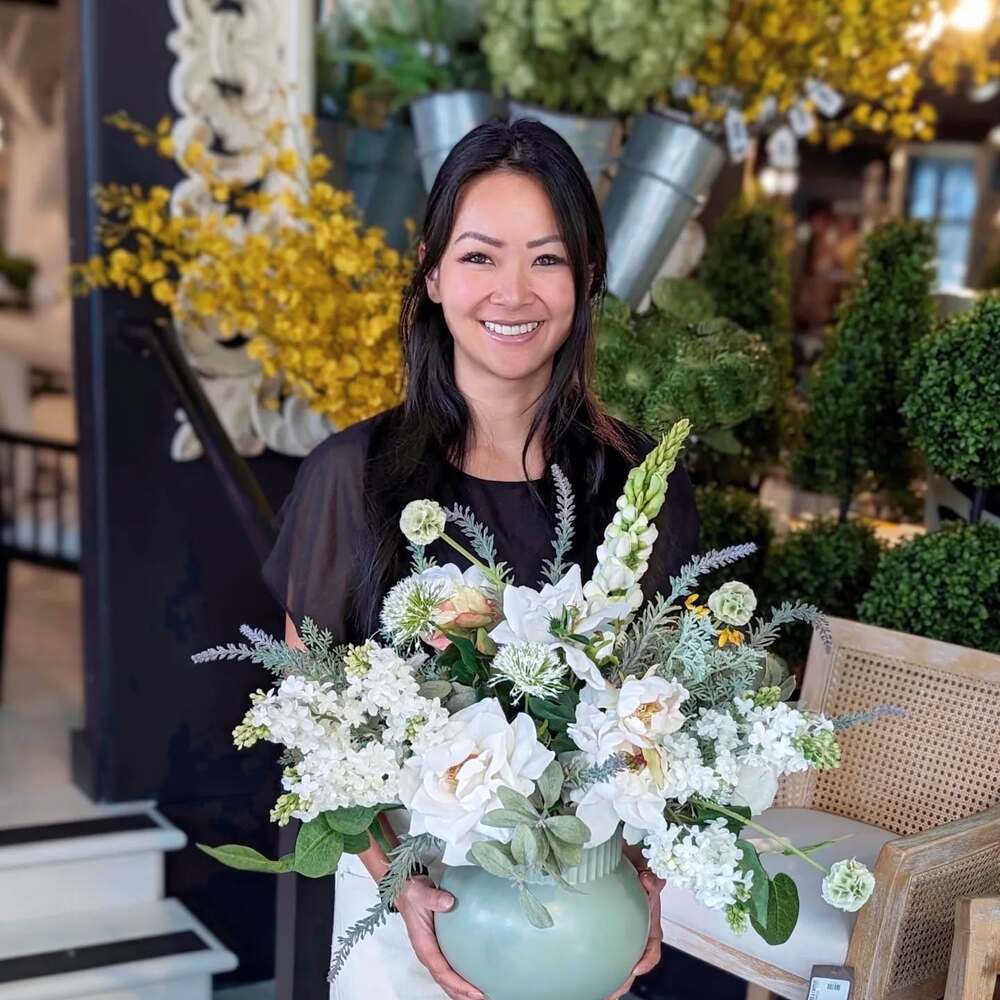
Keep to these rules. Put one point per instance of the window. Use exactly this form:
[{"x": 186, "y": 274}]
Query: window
[{"x": 942, "y": 190}]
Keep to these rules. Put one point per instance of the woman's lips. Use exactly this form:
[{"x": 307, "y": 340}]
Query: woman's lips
[{"x": 519, "y": 338}]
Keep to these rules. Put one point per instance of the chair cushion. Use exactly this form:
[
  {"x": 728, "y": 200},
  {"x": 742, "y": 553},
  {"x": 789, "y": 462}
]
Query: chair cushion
[{"x": 823, "y": 932}]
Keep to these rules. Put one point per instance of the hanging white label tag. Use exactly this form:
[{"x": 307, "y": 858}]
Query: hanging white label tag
[
  {"x": 801, "y": 119},
  {"x": 783, "y": 149},
  {"x": 737, "y": 136},
  {"x": 826, "y": 99},
  {"x": 768, "y": 108},
  {"x": 830, "y": 982},
  {"x": 683, "y": 87}
]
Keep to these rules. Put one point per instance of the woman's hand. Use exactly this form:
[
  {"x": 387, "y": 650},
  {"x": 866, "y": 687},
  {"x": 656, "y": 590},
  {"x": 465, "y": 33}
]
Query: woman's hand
[
  {"x": 651, "y": 956},
  {"x": 417, "y": 904}
]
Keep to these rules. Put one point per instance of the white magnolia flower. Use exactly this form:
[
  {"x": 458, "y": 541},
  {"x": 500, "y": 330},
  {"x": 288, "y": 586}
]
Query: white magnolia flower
[
  {"x": 423, "y": 521},
  {"x": 531, "y": 669},
  {"x": 733, "y": 603},
  {"x": 848, "y": 886},
  {"x": 451, "y": 785},
  {"x": 631, "y": 797},
  {"x": 649, "y": 708},
  {"x": 756, "y": 786},
  {"x": 528, "y": 612}
]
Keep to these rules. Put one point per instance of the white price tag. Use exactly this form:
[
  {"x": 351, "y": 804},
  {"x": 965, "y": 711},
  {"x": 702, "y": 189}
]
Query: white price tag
[
  {"x": 801, "y": 119},
  {"x": 826, "y": 99},
  {"x": 783, "y": 149},
  {"x": 829, "y": 989},
  {"x": 737, "y": 136}
]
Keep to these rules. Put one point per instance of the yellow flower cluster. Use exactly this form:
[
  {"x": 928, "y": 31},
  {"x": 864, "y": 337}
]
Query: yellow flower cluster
[
  {"x": 286, "y": 263},
  {"x": 875, "y": 53}
]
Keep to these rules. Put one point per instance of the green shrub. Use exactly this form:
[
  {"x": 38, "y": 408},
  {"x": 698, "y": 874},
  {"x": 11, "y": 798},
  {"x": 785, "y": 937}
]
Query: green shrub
[
  {"x": 745, "y": 270},
  {"x": 952, "y": 411},
  {"x": 853, "y": 436},
  {"x": 731, "y": 516},
  {"x": 945, "y": 586},
  {"x": 828, "y": 563},
  {"x": 685, "y": 299}
]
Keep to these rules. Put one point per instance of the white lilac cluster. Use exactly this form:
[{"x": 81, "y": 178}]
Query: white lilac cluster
[
  {"x": 704, "y": 860},
  {"x": 349, "y": 744}
]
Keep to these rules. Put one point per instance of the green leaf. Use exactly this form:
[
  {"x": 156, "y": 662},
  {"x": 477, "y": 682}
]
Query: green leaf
[
  {"x": 812, "y": 848},
  {"x": 568, "y": 829},
  {"x": 550, "y": 783},
  {"x": 705, "y": 813},
  {"x": 538, "y": 916},
  {"x": 356, "y": 843},
  {"x": 435, "y": 689},
  {"x": 317, "y": 849},
  {"x": 350, "y": 819},
  {"x": 516, "y": 802},
  {"x": 524, "y": 846},
  {"x": 378, "y": 835},
  {"x": 246, "y": 858},
  {"x": 559, "y": 713},
  {"x": 760, "y": 890},
  {"x": 470, "y": 661},
  {"x": 567, "y": 855},
  {"x": 782, "y": 911},
  {"x": 503, "y": 818},
  {"x": 563, "y": 744},
  {"x": 492, "y": 857}
]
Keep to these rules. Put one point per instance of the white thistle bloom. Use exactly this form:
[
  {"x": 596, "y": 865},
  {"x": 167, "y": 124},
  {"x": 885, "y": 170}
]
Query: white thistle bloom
[
  {"x": 703, "y": 860},
  {"x": 531, "y": 668},
  {"x": 848, "y": 886},
  {"x": 423, "y": 521},
  {"x": 409, "y": 609}
]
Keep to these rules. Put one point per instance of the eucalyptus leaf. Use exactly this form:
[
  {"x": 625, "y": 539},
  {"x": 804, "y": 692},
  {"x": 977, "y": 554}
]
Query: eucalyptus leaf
[
  {"x": 569, "y": 829},
  {"x": 317, "y": 849},
  {"x": 246, "y": 858},
  {"x": 516, "y": 802},
  {"x": 524, "y": 846},
  {"x": 492, "y": 857},
  {"x": 503, "y": 818},
  {"x": 760, "y": 889},
  {"x": 350, "y": 819},
  {"x": 538, "y": 916},
  {"x": 435, "y": 689},
  {"x": 550, "y": 783},
  {"x": 463, "y": 695}
]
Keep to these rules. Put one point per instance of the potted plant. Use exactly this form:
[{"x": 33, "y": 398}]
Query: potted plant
[
  {"x": 423, "y": 54},
  {"x": 853, "y": 433},
  {"x": 954, "y": 398}
]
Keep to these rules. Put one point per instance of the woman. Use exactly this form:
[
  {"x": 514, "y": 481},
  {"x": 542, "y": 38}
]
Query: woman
[{"x": 498, "y": 343}]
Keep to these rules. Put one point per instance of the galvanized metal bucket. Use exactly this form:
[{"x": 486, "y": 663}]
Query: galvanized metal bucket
[
  {"x": 596, "y": 141},
  {"x": 665, "y": 172},
  {"x": 440, "y": 120}
]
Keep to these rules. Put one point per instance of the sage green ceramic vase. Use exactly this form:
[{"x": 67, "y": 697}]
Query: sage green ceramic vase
[{"x": 597, "y": 936}]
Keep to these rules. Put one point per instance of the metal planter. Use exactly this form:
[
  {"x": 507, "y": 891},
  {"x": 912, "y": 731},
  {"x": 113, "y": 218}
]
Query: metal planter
[
  {"x": 665, "y": 172},
  {"x": 441, "y": 119},
  {"x": 596, "y": 141}
]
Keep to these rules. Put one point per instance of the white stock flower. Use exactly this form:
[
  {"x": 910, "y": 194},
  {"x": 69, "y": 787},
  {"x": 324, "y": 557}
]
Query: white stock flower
[
  {"x": 528, "y": 612},
  {"x": 450, "y": 786},
  {"x": 733, "y": 603},
  {"x": 531, "y": 668},
  {"x": 423, "y": 521},
  {"x": 649, "y": 708},
  {"x": 848, "y": 886}
]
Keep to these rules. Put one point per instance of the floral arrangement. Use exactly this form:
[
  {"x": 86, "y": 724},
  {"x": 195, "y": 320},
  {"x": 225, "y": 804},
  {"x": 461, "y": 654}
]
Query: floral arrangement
[
  {"x": 279, "y": 257},
  {"x": 521, "y": 725},
  {"x": 797, "y": 57},
  {"x": 595, "y": 57}
]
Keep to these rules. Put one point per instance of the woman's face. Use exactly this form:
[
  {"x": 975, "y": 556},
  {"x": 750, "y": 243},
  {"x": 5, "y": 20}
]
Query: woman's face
[{"x": 504, "y": 281}]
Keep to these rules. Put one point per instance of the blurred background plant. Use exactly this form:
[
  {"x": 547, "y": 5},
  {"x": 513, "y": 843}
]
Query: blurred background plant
[{"x": 312, "y": 294}]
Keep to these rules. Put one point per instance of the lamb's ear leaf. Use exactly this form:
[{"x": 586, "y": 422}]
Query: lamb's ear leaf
[
  {"x": 246, "y": 858},
  {"x": 538, "y": 916},
  {"x": 570, "y": 829},
  {"x": 516, "y": 802},
  {"x": 492, "y": 857},
  {"x": 550, "y": 783}
]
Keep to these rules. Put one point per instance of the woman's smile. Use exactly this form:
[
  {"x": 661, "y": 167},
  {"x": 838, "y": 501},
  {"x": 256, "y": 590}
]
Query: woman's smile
[{"x": 511, "y": 333}]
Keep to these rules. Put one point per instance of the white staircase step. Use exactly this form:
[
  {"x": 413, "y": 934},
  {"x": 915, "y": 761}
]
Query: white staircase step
[
  {"x": 107, "y": 861},
  {"x": 156, "y": 951}
]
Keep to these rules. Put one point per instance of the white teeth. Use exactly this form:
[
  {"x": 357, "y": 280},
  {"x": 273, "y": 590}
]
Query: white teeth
[{"x": 510, "y": 331}]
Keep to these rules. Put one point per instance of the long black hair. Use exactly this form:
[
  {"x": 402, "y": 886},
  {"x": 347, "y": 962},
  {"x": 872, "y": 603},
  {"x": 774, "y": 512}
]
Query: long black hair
[{"x": 413, "y": 444}]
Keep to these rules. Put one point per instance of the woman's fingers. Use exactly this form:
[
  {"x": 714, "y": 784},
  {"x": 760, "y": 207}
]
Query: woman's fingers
[
  {"x": 649, "y": 958},
  {"x": 429, "y": 953},
  {"x": 622, "y": 990}
]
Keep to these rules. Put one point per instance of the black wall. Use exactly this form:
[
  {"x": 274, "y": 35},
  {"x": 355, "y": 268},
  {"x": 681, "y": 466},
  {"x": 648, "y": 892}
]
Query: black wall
[{"x": 166, "y": 568}]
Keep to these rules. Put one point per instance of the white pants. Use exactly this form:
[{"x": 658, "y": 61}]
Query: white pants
[{"x": 381, "y": 966}]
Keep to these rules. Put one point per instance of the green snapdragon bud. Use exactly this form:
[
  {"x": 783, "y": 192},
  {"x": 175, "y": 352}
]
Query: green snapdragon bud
[
  {"x": 820, "y": 749},
  {"x": 646, "y": 485}
]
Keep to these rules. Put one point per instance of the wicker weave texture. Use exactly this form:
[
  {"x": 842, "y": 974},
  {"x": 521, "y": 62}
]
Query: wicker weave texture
[
  {"x": 939, "y": 763},
  {"x": 924, "y": 942}
]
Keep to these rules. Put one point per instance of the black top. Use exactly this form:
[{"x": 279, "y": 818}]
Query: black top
[{"x": 312, "y": 569}]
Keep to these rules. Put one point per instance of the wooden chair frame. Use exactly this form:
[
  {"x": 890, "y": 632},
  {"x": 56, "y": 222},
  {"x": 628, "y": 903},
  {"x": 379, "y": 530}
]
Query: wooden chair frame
[
  {"x": 902, "y": 939},
  {"x": 974, "y": 971}
]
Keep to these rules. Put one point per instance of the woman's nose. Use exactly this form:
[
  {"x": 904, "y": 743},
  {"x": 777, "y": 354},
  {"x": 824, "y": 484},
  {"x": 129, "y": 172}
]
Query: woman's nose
[{"x": 513, "y": 288}]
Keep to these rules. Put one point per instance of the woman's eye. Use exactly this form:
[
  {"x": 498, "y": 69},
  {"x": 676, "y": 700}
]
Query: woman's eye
[
  {"x": 552, "y": 259},
  {"x": 470, "y": 257}
]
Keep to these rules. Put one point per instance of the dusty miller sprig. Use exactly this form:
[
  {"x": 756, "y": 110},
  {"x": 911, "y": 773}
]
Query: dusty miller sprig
[
  {"x": 640, "y": 638},
  {"x": 403, "y": 861},
  {"x": 553, "y": 569},
  {"x": 421, "y": 561},
  {"x": 764, "y": 633},
  {"x": 483, "y": 543},
  {"x": 583, "y": 777},
  {"x": 687, "y": 578}
]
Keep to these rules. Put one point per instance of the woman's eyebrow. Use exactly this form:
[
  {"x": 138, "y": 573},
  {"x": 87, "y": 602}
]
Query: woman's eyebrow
[{"x": 554, "y": 238}]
